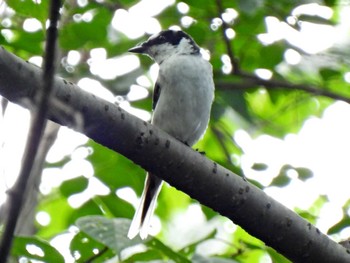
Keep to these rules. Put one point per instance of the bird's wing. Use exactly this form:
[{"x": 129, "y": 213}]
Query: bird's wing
[
  {"x": 141, "y": 221},
  {"x": 156, "y": 94}
]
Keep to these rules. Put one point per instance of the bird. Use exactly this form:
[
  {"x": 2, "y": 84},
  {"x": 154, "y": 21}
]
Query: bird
[{"x": 182, "y": 100}]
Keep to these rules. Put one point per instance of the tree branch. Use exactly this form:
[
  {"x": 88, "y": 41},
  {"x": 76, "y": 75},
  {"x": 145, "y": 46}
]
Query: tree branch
[
  {"x": 229, "y": 47},
  {"x": 179, "y": 165},
  {"x": 251, "y": 80}
]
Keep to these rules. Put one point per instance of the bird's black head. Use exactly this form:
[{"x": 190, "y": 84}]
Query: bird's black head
[
  {"x": 167, "y": 43},
  {"x": 169, "y": 36}
]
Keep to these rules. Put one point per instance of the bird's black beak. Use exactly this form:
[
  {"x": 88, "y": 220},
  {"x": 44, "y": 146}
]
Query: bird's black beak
[{"x": 138, "y": 49}]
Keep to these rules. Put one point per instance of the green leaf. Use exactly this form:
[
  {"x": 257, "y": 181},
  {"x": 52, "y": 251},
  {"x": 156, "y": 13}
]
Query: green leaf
[
  {"x": 311, "y": 214},
  {"x": 284, "y": 179},
  {"x": 276, "y": 257},
  {"x": 144, "y": 104},
  {"x": 201, "y": 259},
  {"x": 208, "y": 212},
  {"x": 31, "y": 42},
  {"x": 52, "y": 205},
  {"x": 329, "y": 74},
  {"x": 330, "y": 3},
  {"x": 74, "y": 186},
  {"x": 170, "y": 202},
  {"x": 270, "y": 56},
  {"x": 251, "y": 6},
  {"x": 91, "y": 207},
  {"x": 192, "y": 247},
  {"x": 128, "y": 2},
  {"x": 115, "y": 205},
  {"x": 77, "y": 35},
  {"x": 114, "y": 170},
  {"x": 315, "y": 19},
  {"x": 278, "y": 112},
  {"x": 304, "y": 173},
  {"x": 260, "y": 166},
  {"x": 242, "y": 239},
  {"x": 199, "y": 4},
  {"x": 167, "y": 251},
  {"x": 281, "y": 180},
  {"x": 83, "y": 248},
  {"x": 235, "y": 99},
  {"x": 30, "y": 8},
  {"x": 149, "y": 255},
  {"x": 110, "y": 232},
  {"x": 343, "y": 223},
  {"x": 23, "y": 246}
]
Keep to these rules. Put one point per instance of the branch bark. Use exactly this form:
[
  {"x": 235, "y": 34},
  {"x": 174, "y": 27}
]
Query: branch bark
[{"x": 179, "y": 165}]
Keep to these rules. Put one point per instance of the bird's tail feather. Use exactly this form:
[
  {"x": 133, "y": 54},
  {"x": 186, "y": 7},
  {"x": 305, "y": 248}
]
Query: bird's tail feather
[{"x": 141, "y": 221}]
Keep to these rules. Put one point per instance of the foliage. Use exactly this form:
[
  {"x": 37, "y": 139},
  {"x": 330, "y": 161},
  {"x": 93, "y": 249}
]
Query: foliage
[
  {"x": 23, "y": 247},
  {"x": 241, "y": 102}
]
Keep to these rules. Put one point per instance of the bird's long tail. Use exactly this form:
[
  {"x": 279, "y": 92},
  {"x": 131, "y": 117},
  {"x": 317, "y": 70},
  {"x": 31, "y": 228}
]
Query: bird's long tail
[{"x": 141, "y": 221}]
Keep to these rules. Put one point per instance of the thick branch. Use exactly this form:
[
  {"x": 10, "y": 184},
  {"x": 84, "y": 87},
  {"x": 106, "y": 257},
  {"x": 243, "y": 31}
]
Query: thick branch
[{"x": 184, "y": 168}]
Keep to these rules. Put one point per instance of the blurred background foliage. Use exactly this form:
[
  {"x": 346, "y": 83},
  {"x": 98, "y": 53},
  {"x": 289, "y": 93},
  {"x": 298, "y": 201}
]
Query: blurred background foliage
[{"x": 234, "y": 33}]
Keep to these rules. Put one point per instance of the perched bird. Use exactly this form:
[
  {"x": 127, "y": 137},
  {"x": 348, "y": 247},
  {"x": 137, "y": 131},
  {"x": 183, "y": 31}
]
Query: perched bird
[{"x": 182, "y": 99}]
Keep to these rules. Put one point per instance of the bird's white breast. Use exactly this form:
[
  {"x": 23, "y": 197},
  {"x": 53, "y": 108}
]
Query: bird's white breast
[{"x": 187, "y": 92}]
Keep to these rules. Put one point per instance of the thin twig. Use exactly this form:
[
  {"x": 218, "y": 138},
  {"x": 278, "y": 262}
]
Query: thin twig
[
  {"x": 17, "y": 193},
  {"x": 220, "y": 138},
  {"x": 229, "y": 47}
]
